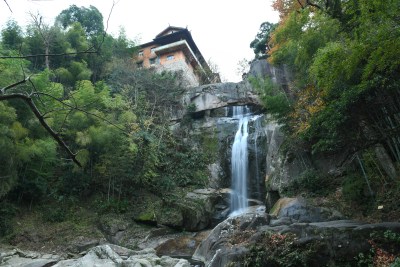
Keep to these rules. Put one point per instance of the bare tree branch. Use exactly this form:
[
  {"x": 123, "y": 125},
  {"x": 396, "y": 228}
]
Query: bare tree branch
[
  {"x": 4, "y": 89},
  {"x": 45, "y": 33},
  {"x": 312, "y": 4},
  {"x": 65, "y": 120},
  {"x": 82, "y": 110},
  {"x": 8, "y": 6},
  {"x": 300, "y": 3},
  {"x": 109, "y": 15},
  {"x": 50, "y": 55},
  {"x": 28, "y": 100}
]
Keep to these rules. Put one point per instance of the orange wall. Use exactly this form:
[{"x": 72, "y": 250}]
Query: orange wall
[
  {"x": 178, "y": 56},
  {"x": 147, "y": 54}
]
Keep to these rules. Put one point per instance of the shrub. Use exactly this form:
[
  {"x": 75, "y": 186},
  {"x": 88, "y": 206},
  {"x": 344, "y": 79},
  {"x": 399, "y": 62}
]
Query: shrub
[
  {"x": 353, "y": 188},
  {"x": 7, "y": 213},
  {"x": 310, "y": 181},
  {"x": 54, "y": 214}
]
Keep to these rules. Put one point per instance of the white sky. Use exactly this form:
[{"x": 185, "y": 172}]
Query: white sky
[{"x": 222, "y": 29}]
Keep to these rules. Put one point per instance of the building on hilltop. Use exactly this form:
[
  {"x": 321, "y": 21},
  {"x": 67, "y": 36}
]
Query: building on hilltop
[{"x": 173, "y": 49}]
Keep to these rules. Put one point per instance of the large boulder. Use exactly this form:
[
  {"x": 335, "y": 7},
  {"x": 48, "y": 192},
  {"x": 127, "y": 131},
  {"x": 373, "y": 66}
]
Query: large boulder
[
  {"x": 198, "y": 209},
  {"x": 194, "y": 212},
  {"x": 257, "y": 238},
  {"x": 218, "y": 248},
  {"x": 214, "y": 96},
  {"x": 113, "y": 228},
  {"x": 17, "y": 257},
  {"x": 111, "y": 255},
  {"x": 182, "y": 245},
  {"x": 299, "y": 210}
]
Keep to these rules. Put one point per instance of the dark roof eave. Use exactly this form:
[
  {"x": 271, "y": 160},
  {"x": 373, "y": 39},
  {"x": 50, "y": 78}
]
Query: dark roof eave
[
  {"x": 176, "y": 36},
  {"x": 146, "y": 44},
  {"x": 168, "y": 29},
  {"x": 183, "y": 34}
]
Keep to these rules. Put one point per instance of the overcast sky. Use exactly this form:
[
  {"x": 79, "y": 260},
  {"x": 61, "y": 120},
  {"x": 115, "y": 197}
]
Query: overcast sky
[{"x": 222, "y": 29}]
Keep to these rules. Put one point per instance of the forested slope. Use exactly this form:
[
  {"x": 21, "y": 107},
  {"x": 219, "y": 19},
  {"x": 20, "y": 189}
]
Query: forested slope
[{"x": 79, "y": 121}]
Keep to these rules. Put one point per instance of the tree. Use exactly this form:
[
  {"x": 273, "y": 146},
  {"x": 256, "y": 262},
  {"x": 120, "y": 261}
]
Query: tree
[
  {"x": 243, "y": 66},
  {"x": 45, "y": 33},
  {"x": 16, "y": 90},
  {"x": 90, "y": 18},
  {"x": 12, "y": 35},
  {"x": 261, "y": 44},
  {"x": 344, "y": 60}
]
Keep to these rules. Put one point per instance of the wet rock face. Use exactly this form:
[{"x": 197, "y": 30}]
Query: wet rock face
[{"x": 216, "y": 134}]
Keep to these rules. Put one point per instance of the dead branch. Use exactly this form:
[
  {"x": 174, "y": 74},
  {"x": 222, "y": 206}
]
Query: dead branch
[
  {"x": 4, "y": 89},
  {"x": 300, "y": 3},
  {"x": 27, "y": 98},
  {"x": 8, "y": 6},
  {"x": 44, "y": 32},
  {"x": 29, "y": 101},
  {"x": 75, "y": 107},
  {"x": 50, "y": 55},
  {"x": 312, "y": 4}
]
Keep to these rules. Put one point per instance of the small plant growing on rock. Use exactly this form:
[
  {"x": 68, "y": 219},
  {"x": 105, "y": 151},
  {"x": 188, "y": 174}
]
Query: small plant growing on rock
[
  {"x": 191, "y": 108},
  {"x": 277, "y": 249},
  {"x": 384, "y": 252}
]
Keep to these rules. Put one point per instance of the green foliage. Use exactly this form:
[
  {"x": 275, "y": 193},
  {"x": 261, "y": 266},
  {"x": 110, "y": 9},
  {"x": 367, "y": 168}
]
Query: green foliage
[
  {"x": 54, "y": 214},
  {"x": 210, "y": 146},
  {"x": 113, "y": 116},
  {"x": 343, "y": 57},
  {"x": 273, "y": 98},
  {"x": 392, "y": 236},
  {"x": 90, "y": 18},
  {"x": 8, "y": 172},
  {"x": 353, "y": 188},
  {"x": 260, "y": 44},
  {"x": 278, "y": 250},
  {"x": 311, "y": 182},
  {"x": 365, "y": 260},
  {"x": 191, "y": 108},
  {"x": 7, "y": 212},
  {"x": 10, "y": 69},
  {"x": 384, "y": 250},
  {"x": 396, "y": 263},
  {"x": 185, "y": 166},
  {"x": 11, "y": 35},
  {"x": 112, "y": 206}
]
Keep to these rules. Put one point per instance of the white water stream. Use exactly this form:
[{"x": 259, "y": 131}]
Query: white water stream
[{"x": 239, "y": 201}]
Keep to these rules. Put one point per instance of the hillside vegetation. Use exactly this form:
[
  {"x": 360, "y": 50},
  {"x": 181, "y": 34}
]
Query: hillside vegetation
[
  {"x": 79, "y": 122},
  {"x": 85, "y": 134},
  {"x": 343, "y": 96}
]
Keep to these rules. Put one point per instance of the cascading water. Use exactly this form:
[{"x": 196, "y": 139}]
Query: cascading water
[
  {"x": 257, "y": 133},
  {"x": 240, "y": 162}
]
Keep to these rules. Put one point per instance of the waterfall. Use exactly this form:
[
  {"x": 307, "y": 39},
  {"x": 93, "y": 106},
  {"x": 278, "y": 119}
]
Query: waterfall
[
  {"x": 240, "y": 162},
  {"x": 258, "y": 132}
]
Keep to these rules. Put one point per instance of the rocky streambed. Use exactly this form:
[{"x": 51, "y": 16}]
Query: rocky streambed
[
  {"x": 299, "y": 234},
  {"x": 295, "y": 233}
]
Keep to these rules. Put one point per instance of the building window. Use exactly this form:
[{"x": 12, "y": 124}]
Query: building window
[
  {"x": 170, "y": 57},
  {"x": 152, "y": 61},
  {"x": 152, "y": 49},
  {"x": 139, "y": 64},
  {"x": 141, "y": 53}
]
